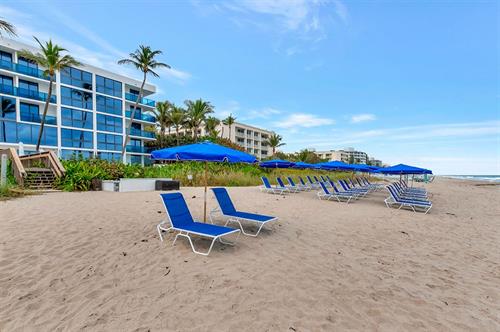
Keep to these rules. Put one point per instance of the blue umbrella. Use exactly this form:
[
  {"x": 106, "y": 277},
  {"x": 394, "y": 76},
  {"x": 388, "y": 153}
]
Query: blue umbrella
[
  {"x": 204, "y": 151},
  {"x": 402, "y": 169},
  {"x": 276, "y": 163},
  {"x": 302, "y": 165},
  {"x": 335, "y": 165}
]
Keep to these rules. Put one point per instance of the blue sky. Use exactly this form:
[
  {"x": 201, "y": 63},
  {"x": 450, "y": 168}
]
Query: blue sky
[{"x": 410, "y": 81}]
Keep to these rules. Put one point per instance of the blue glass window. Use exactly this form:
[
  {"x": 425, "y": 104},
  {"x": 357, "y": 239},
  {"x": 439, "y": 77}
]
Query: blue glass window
[
  {"x": 7, "y": 108},
  {"x": 6, "y": 84},
  {"x": 12, "y": 132},
  {"x": 76, "y": 138},
  {"x": 76, "y": 98},
  {"x": 76, "y": 77},
  {"x": 109, "y": 105},
  {"x": 28, "y": 89},
  {"x": 5, "y": 60},
  {"x": 134, "y": 159},
  {"x": 108, "y": 86},
  {"x": 76, "y": 118},
  {"x": 109, "y": 142},
  {"x": 109, "y": 156},
  {"x": 29, "y": 112},
  {"x": 76, "y": 154},
  {"x": 27, "y": 63},
  {"x": 109, "y": 123}
]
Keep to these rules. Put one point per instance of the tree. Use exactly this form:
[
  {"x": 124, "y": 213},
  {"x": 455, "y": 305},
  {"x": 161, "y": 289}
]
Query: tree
[
  {"x": 229, "y": 121},
  {"x": 7, "y": 27},
  {"x": 351, "y": 159},
  {"x": 162, "y": 113},
  {"x": 197, "y": 112},
  {"x": 178, "y": 119},
  {"x": 274, "y": 141},
  {"x": 211, "y": 124},
  {"x": 50, "y": 58},
  {"x": 142, "y": 59},
  {"x": 307, "y": 156}
]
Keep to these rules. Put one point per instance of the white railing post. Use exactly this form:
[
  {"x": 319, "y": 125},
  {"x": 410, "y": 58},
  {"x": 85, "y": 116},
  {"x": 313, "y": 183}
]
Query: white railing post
[{"x": 3, "y": 171}]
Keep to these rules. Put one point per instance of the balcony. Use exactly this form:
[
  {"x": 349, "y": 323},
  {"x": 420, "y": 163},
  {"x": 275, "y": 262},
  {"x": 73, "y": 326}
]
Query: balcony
[
  {"x": 49, "y": 120},
  {"x": 141, "y": 133},
  {"x": 141, "y": 116},
  {"x": 144, "y": 101},
  {"x": 25, "y": 93},
  {"x": 21, "y": 69},
  {"x": 139, "y": 149}
]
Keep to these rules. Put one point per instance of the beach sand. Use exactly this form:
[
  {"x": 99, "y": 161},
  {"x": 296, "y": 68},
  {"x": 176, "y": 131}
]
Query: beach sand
[{"x": 93, "y": 261}]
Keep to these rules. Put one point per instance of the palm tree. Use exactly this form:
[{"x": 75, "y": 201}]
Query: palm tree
[
  {"x": 50, "y": 58},
  {"x": 7, "y": 27},
  {"x": 211, "y": 124},
  {"x": 229, "y": 121},
  {"x": 197, "y": 112},
  {"x": 178, "y": 119},
  {"x": 274, "y": 141},
  {"x": 142, "y": 59},
  {"x": 7, "y": 106}
]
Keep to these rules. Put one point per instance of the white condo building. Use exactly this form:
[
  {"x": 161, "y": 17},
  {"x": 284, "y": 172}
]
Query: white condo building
[
  {"x": 346, "y": 155},
  {"x": 88, "y": 113}
]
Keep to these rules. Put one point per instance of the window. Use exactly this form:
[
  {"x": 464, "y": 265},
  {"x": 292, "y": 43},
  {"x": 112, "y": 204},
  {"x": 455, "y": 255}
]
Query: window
[
  {"x": 6, "y": 84},
  {"x": 76, "y": 138},
  {"x": 76, "y": 77},
  {"x": 26, "y": 66},
  {"x": 76, "y": 154},
  {"x": 109, "y": 123},
  {"x": 27, "y": 89},
  {"x": 134, "y": 92},
  {"x": 5, "y": 60},
  {"x": 12, "y": 132},
  {"x": 109, "y": 156},
  {"x": 76, "y": 118},
  {"x": 108, "y": 86},
  {"x": 7, "y": 108},
  {"x": 109, "y": 105},
  {"x": 109, "y": 142},
  {"x": 30, "y": 112},
  {"x": 135, "y": 159},
  {"x": 76, "y": 98}
]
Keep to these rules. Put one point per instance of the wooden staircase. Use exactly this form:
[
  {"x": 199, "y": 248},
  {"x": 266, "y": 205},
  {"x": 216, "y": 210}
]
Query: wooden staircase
[{"x": 35, "y": 171}]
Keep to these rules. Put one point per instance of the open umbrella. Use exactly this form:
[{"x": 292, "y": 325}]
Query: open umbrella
[
  {"x": 204, "y": 151},
  {"x": 402, "y": 169},
  {"x": 276, "y": 163},
  {"x": 303, "y": 165}
]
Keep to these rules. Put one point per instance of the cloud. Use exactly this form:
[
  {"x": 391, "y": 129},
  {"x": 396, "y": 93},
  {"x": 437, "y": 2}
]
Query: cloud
[
  {"x": 302, "y": 120},
  {"x": 363, "y": 118}
]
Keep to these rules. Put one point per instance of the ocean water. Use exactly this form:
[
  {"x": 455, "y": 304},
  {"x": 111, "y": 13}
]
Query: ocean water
[{"x": 491, "y": 178}]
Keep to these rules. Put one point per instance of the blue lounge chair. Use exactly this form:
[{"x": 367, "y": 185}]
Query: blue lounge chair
[
  {"x": 228, "y": 211},
  {"x": 304, "y": 184},
  {"x": 395, "y": 199},
  {"x": 298, "y": 186},
  {"x": 326, "y": 194},
  {"x": 282, "y": 185},
  {"x": 312, "y": 183},
  {"x": 268, "y": 188},
  {"x": 359, "y": 191},
  {"x": 354, "y": 194},
  {"x": 408, "y": 193},
  {"x": 180, "y": 220}
]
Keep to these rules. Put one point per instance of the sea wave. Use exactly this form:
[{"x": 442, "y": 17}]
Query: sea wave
[{"x": 490, "y": 178}]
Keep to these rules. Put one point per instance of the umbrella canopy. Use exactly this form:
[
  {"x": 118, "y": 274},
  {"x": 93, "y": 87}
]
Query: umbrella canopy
[
  {"x": 335, "y": 166},
  {"x": 277, "y": 163},
  {"x": 302, "y": 165},
  {"x": 403, "y": 169},
  {"x": 203, "y": 151}
]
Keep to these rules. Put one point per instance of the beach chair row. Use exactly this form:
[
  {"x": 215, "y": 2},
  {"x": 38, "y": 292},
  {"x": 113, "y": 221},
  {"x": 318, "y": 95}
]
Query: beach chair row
[
  {"x": 402, "y": 196},
  {"x": 179, "y": 219}
]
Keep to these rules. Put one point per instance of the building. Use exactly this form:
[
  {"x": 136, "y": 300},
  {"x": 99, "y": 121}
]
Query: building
[
  {"x": 376, "y": 162},
  {"x": 88, "y": 114},
  {"x": 249, "y": 137},
  {"x": 347, "y": 155}
]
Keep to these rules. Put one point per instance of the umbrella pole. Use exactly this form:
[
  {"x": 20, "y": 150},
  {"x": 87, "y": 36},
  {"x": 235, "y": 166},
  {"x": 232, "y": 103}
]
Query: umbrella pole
[{"x": 205, "y": 196}]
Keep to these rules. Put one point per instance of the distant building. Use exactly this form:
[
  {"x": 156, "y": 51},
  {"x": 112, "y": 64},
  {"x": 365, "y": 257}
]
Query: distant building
[
  {"x": 251, "y": 138},
  {"x": 376, "y": 162},
  {"x": 347, "y": 155}
]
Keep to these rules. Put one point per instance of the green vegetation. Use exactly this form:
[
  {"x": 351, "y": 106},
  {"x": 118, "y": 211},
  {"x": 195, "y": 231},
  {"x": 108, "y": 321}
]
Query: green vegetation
[{"x": 9, "y": 190}]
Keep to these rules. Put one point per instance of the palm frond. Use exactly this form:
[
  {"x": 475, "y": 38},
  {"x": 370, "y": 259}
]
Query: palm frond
[{"x": 7, "y": 27}]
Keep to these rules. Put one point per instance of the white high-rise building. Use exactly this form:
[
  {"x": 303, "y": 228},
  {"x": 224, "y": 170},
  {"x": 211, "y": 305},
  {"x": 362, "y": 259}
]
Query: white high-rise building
[
  {"x": 346, "y": 155},
  {"x": 88, "y": 113}
]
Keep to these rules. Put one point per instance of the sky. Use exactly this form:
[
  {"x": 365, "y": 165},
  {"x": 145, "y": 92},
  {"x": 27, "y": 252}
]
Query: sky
[{"x": 413, "y": 82}]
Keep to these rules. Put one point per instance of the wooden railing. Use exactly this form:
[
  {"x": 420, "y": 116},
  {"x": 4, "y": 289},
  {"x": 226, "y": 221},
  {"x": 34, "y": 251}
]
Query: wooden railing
[
  {"x": 47, "y": 159},
  {"x": 17, "y": 165}
]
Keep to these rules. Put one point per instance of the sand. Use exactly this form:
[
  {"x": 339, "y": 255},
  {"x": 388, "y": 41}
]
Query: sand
[{"x": 93, "y": 262}]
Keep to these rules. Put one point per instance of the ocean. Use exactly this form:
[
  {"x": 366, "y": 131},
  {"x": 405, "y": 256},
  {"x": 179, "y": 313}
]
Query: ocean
[{"x": 491, "y": 178}]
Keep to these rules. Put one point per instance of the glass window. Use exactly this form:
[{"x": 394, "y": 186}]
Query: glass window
[
  {"x": 134, "y": 159},
  {"x": 6, "y": 84},
  {"x": 76, "y": 118},
  {"x": 109, "y": 156},
  {"x": 76, "y": 98},
  {"x": 27, "y": 63},
  {"x": 27, "y": 89},
  {"x": 7, "y": 108},
  {"x": 76, "y": 138},
  {"x": 29, "y": 112},
  {"x": 109, "y": 105},
  {"x": 109, "y": 123},
  {"x": 8, "y": 132},
  {"x": 76, "y": 154},
  {"x": 76, "y": 77},
  {"x": 108, "y": 86},
  {"x": 6, "y": 60},
  {"x": 109, "y": 142},
  {"x": 12, "y": 132}
]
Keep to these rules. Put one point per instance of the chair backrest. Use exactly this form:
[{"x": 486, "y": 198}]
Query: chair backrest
[
  {"x": 325, "y": 189},
  {"x": 365, "y": 181},
  {"x": 280, "y": 182},
  {"x": 225, "y": 203},
  {"x": 359, "y": 182},
  {"x": 334, "y": 186},
  {"x": 328, "y": 177},
  {"x": 266, "y": 182},
  {"x": 310, "y": 180},
  {"x": 302, "y": 181},
  {"x": 343, "y": 184},
  {"x": 396, "y": 186},
  {"x": 352, "y": 182},
  {"x": 393, "y": 193},
  {"x": 177, "y": 209},
  {"x": 316, "y": 178},
  {"x": 322, "y": 178},
  {"x": 290, "y": 180}
]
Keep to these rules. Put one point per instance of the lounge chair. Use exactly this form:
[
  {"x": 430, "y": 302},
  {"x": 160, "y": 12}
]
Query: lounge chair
[
  {"x": 415, "y": 205},
  {"x": 282, "y": 185},
  {"x": 180, "y": 220},
  {"x": 304, "y": 184},
  {"x": 268, "y": 188},
  {"x": 326, "y": 194},
  {"x": 228, "y": 211},
  {"x": 405, "y": 193},
  {"x": 298, "y": 186},
  {"x": 312, "y": 183},
  {"x": 359, "y": 191}
]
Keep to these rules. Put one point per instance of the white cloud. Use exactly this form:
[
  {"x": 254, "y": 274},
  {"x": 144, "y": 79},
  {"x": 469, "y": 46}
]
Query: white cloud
[
  {"x": 363, "y": 118},
  {"x": 302, "y": 120}
]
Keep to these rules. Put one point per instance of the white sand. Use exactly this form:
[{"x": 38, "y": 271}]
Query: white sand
[{"x": 93, "y": 261}]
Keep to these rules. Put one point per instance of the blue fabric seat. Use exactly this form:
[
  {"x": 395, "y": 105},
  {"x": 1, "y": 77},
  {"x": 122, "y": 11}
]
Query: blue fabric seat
[
  {"x": 395, "y": 199},
  {"x": 181, "y": 220},
  {"x": 227, "y": 209}
]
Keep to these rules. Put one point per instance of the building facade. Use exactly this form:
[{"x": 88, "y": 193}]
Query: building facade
[
  {"x": 88, "y": 114},
  {"x": 347, "y": 155},
  {"x": 252, "y": 139}
]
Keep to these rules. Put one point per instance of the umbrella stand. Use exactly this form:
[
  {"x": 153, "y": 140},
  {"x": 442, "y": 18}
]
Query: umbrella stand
[{"x": 205, "y": 196}]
